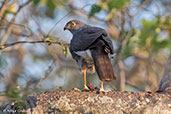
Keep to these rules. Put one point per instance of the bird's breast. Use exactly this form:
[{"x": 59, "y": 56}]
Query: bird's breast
[
  {"x": 86, "y": 61},
  {"x": 84, "y": 54}
]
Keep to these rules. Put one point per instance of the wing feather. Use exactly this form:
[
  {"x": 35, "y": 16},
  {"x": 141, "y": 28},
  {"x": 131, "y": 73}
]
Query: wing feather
[{"x": 85, "y": 37}]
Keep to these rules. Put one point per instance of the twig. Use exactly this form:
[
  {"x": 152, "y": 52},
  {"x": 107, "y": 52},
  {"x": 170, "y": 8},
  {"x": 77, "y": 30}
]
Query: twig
[
  {"x": 57, "y": 23},
  {"x": 122, "y": 76},
  {"x": 84, "y": 12},
  {"x": 10, "y": 26},
  {"x": 63, "y": 18},
  {"x": 31, "y": 42},
  {"x": 134, "y": 86},
  {"x": 47, "y": 72},
  {"x": 23, "y": 5},
  {"x": 3, "y": 7},
  {"x": 146, "y": 2},
  {"x": 122, "y": 25},
  {"x": 6, "y": 24}
]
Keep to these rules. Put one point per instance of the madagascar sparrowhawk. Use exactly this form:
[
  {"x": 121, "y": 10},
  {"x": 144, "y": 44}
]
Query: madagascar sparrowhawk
[{"x": 95, "y": 39}]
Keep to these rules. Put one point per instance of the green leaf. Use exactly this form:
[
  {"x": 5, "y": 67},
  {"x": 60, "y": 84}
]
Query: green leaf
[
  {"x": 148, "y": 30},
  {"x": 150, "y": 38},
  {"x": 94, "y": 9},
  {"x": 127, "y": 49},
  {"x": 49, "y": 41},
  {"x": 12, "y": 93},
  {"x": 36, "y": 1},
  {"x": 3, "y": 94},
  {"x": 118, "y": 4},
  {"x": 20, "y": 105},
  {"x": 8, "y": 12},
  {"x": 157, "y": 45},
  {"x": 65, "y": 51},
  {"x": 50, "y": 4}
]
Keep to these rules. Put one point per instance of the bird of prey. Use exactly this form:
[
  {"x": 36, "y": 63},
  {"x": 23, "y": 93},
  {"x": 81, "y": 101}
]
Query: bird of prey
[{"x": 97, "y": 41}]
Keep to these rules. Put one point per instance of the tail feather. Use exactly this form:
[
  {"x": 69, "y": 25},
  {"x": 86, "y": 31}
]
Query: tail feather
[{"x": 103, "y": 65}]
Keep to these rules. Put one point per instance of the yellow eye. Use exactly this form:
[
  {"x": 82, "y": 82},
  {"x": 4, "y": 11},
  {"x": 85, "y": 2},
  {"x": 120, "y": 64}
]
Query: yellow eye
[{"x": 73, "y": 24}]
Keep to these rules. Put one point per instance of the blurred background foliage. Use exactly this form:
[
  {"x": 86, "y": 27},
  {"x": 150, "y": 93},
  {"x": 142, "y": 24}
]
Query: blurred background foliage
[{"x": 140, "y": 31}]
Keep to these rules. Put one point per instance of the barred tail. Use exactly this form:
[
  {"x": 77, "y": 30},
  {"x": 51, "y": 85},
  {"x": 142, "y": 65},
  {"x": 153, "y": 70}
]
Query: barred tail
[{"x": 103, "y": 65}]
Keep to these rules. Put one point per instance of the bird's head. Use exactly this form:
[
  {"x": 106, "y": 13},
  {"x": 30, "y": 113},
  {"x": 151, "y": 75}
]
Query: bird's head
[{"x": 73, "y": 25}]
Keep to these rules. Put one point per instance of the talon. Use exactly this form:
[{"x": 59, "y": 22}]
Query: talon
[
  {"x": 76, "y": 89},
  {"x": 102, "y": 89},
  {"x": 106, "y": 91},
  {"x": 86, "y": 88}
]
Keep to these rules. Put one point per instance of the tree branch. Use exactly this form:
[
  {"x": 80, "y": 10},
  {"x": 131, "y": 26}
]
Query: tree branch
[
  {"x": 32, "y": 42},
  {"x": 165, "y": 83}
]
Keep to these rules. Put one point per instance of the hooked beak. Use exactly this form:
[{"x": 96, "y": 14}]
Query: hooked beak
[{"x": 66, "y": 28}]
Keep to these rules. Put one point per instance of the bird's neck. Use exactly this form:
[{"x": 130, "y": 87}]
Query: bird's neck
[
  {"x": 85, "y": 26},
  {"x": 75, "y": 31}
]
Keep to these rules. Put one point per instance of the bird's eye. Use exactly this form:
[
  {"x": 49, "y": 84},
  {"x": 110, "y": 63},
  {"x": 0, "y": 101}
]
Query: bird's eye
[{"x": 73, "y": 24}]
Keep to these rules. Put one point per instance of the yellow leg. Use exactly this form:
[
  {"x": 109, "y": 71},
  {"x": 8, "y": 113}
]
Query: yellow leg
[
  {"x": 101, "y": 86},
  {"x": 85, "y": 85},
  {"x": 102, "y": 89}
]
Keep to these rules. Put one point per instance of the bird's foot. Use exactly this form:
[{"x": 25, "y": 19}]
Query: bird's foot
[
  {"x": 101, "y": 90},
  {"x": 76, "y": 89},
  {"x": 86, "y": 88},
  {"x": 108, "y": 90}
]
